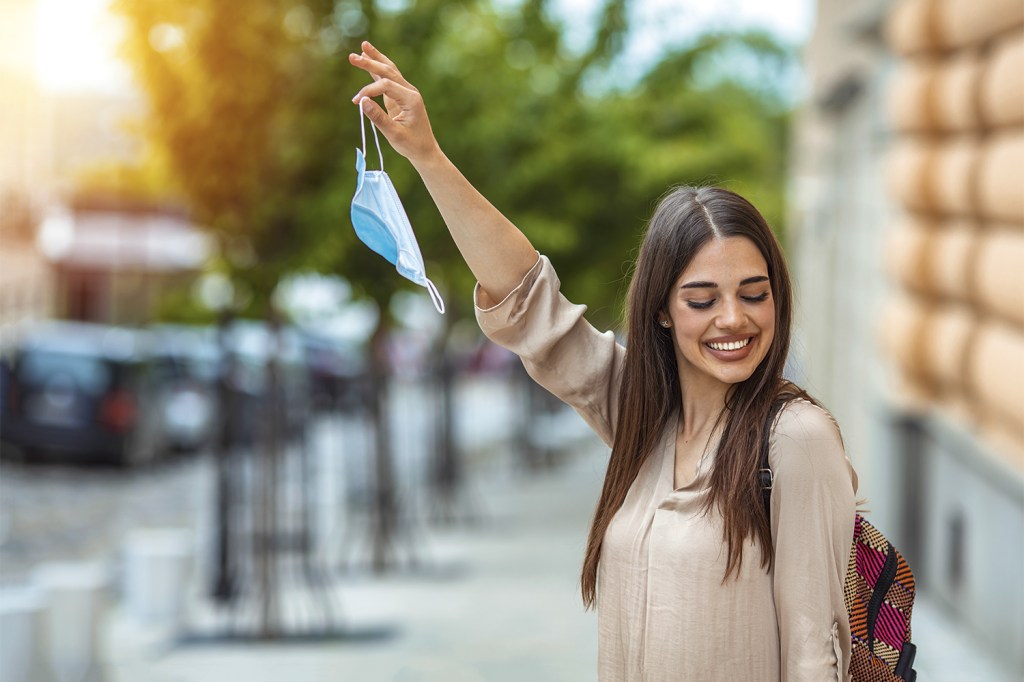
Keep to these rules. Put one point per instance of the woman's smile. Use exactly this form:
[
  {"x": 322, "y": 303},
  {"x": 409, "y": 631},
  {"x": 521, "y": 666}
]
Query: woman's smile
[{"x": 731, "y": 348}]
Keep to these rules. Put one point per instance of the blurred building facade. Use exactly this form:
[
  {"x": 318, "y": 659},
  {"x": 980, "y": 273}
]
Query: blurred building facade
[
  {"x": 113, "y": 260},
  {"x": 26, "y": 283},
  {"x": 907, "y": 212},
  {"x": 65, "y": 252}
]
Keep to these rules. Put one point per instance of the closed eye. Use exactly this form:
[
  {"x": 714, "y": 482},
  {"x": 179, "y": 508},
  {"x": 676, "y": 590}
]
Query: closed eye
[{"x": 704, "y": 305}]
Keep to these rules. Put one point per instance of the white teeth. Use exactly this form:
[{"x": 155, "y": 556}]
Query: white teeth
[{"x": 732, "y": 345}]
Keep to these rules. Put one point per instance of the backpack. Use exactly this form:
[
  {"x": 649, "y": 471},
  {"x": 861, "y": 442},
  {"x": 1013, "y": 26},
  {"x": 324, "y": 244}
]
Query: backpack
[{"x": 878, "y": 591}]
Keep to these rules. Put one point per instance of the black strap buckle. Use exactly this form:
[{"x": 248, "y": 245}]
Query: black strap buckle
[{"x": 767, "y": 478}]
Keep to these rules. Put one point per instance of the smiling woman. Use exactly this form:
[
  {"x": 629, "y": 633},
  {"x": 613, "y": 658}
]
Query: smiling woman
[
  {"x": 681, "y": 544},
  {"x": 76, "y": 47}
]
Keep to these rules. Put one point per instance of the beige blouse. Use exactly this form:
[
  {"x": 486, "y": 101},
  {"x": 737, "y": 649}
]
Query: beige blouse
[{"x": 664, "y": 612}]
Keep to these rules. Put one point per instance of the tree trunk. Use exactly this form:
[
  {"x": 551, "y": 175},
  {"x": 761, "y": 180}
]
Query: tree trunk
[
  {"x": 267, "y": 532},
  {"x": 446, "y": 472},
  {"x": 224, "y": 585},
  {"x": 385, "y": 517}
]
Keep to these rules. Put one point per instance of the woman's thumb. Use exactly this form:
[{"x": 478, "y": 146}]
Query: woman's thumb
[{"x": 376, "y": 114}]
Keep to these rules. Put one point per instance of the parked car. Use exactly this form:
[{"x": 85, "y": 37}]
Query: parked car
[
  {"x": 82, "y": 391},
  {"x": 187, "y": 362},
  {"x": 190, "y": 362},
  {"x": 252, "y": 346}
]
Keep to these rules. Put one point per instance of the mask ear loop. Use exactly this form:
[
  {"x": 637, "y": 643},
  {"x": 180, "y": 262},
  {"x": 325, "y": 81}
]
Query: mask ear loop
[
  {"x": 435, "y": 297},
  {"x": 362, "y": 130}
]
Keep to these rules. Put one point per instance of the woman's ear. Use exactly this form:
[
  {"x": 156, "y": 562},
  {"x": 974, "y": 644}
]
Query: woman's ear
[{"x": 663, "y": 320}]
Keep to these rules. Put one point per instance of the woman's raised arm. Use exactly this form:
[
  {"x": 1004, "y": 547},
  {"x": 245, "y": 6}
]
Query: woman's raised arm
[{"x": 498, "y": 254}]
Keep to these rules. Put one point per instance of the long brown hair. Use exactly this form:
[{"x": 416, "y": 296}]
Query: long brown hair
[{"x": 685, "y": 219}]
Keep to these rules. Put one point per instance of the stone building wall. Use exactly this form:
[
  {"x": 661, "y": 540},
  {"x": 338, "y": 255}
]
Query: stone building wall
[
  {"x": 906, "y": 213},
  {"x": 956, "y": 171}
]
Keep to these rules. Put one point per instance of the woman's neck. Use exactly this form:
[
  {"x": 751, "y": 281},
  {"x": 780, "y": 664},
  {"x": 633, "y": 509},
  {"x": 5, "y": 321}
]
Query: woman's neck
[{"x": 702, "y": 403}]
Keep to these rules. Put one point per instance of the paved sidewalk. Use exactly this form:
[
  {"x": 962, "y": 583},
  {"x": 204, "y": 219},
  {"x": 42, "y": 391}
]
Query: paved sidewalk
[
  {"x": 508, "y": 610},
  {"x": 511, "y": 613}
]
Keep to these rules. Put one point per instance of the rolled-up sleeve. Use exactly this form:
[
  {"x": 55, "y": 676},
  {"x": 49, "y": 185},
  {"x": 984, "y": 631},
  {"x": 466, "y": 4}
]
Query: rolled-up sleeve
[
  {"x": 812, "y": 515},
  {"x": 561, "y": 350}
]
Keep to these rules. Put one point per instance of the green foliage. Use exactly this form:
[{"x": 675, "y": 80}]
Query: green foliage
[
  {"x": 179, "y": 306},
  {"x": 255, "y": 113},
  {"x": 223, "y": 82}
]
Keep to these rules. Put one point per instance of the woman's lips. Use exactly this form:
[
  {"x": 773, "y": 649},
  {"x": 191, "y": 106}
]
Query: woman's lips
[{"x": 731, "y": 355}]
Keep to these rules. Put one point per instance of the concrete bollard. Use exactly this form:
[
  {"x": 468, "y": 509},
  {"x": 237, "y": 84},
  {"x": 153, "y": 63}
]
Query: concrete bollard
[
  {"x": 21, "y": 616},
  {"x": 157, "y": 563},
  {"x": 75, "y": 606}
]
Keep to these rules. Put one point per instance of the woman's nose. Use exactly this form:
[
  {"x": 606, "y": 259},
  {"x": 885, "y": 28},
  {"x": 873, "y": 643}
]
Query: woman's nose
[{"x": 731, "y": 315}]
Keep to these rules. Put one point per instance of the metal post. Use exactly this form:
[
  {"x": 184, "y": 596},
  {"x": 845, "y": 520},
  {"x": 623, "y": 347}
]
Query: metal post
[
  {"x": 223, "y": 589},
  {"x": 385, "y": 516}
]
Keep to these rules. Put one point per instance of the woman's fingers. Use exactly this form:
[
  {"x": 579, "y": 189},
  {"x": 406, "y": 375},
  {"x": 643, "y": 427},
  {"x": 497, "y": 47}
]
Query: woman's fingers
[
  {"x": 378, "y": 116},
  {"x": 374, "y": 53},
  {"x": 377, "y": 67},
  {"x": 406, "y": 98}
]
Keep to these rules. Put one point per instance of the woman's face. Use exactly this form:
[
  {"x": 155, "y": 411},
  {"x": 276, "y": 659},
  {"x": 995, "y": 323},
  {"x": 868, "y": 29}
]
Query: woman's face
[{"x": 721, "y": 313}]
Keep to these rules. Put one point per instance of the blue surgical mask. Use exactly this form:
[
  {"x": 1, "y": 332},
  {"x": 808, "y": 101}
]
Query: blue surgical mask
[{"x": 380, "y": 220}]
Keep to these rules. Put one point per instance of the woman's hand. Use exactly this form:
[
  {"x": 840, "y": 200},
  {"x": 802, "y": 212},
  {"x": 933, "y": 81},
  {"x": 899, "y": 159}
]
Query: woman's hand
[
  {"x": 495, "y": 250},
  {"x": 405, "y": 123}
]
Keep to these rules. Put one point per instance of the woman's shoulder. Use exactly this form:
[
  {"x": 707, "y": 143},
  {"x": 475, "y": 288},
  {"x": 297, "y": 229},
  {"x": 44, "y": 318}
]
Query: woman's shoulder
[
  {"x": 802, "y": 420},
  {"x": 806, "y": 442},
  {"x": 807, "y": 448}
]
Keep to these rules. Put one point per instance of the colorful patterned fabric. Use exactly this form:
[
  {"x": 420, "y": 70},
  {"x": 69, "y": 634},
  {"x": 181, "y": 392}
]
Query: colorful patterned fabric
[
  {"x": 879, "y": 599},
  {"x": 879, "y": 594}
]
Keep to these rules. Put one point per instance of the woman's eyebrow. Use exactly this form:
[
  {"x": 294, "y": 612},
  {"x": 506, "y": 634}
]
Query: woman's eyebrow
[{"x": 713, "y": 285}]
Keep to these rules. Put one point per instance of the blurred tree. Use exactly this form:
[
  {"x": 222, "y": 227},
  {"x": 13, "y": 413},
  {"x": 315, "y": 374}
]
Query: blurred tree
[
  {"x": 250, "y": 105},
  {"x": 250, "y": 102},
  {"x": 223, "y": 81}
]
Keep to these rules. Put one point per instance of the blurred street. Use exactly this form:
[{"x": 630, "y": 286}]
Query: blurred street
[
  {"x": 77, "y": 514},
  {"x": 496, "y": 600},
  {"x": 492, "y": 598}
]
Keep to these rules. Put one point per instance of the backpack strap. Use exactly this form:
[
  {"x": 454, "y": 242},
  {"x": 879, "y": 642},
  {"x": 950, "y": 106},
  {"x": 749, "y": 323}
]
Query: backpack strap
[{"x": 764, "y": 472}]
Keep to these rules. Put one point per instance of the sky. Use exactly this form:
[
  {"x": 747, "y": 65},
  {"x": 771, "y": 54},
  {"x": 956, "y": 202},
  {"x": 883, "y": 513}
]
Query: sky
[
  {"x": 76, "y": 40},
  {"x": 659, "y": 23},
  {"x": 76, "y": 43}
]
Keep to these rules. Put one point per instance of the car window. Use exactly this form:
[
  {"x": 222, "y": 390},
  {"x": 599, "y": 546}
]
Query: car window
[{"x": 90, "y": 374}]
